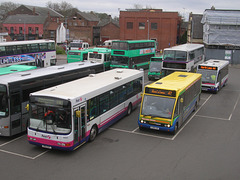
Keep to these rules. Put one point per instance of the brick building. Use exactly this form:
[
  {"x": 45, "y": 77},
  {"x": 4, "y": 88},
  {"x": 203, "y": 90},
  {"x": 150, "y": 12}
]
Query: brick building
[
  {"x": 89, "y": 28},
  {"x": 164, "y": 27},
  {"x": 82, "y": 26},
  {"x": 195, "y": 29},
  {"x": 109, "y": 29},
  {"x": 32, "y": 22}
]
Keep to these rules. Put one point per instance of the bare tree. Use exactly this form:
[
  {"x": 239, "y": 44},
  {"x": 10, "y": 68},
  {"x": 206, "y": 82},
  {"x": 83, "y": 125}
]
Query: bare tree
[
  {"x": 137, "y": 6},
  {"x": 6, "y": 7},
  {"x": 63, "y": 8}
]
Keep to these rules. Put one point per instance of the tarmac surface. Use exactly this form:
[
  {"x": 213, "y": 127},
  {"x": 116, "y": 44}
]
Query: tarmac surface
[{"x": 205, "y": 147}]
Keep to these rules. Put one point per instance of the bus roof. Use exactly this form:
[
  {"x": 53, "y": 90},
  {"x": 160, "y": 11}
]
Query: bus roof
[
  {"x": 215, "y": 63},
  {"x": 176, "y": 81},
  {"x": 15, "y": 68},
  {"x": 80, "y": 50},
  {"x": 135, "y": 41},
  {"x": 101, "y": 50},
  {"x": 31, "y": 74},
  {"x": 92, "y": 85},
  {"x": 10, "y": 43},
  {"x": 185, "y": 47}
]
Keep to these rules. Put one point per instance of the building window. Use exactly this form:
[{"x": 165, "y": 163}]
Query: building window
[
  {"x": 20, "y": 30},
  {"x": 36, "y": 30},
  {"x": 29, "y": 30},
  {"x": 129, "y": 25},
  {"x": 11, "y": 30},
  {"x": 154, "y": 26},
  {"x": 52, "y": 34},
  {"x": 141, "y": 25}
]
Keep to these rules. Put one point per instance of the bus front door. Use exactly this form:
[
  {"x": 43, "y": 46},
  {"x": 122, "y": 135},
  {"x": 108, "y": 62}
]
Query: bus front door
[
  {"x": 181, "y": 113},
  {"x": 80, "y": 122}
]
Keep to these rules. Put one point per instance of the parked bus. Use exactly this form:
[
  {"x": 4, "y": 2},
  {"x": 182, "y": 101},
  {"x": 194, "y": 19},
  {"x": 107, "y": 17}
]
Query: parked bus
[
  {"x": 40, "y": 52},
  {"x": 155, "y": 68},
  {"x": 168, "y": 102},
  {"x": 16, "y": 87},
  {"x": 15, "y": 68},
  {"x": 77, "y": 55},
  {"x": 214, "y": 74},
  {"x": 100, "y": 55},
  {"x": 82, "y": 108},
  {"x": 132, "y": 53},
  {"x": 185, "y": 57}
]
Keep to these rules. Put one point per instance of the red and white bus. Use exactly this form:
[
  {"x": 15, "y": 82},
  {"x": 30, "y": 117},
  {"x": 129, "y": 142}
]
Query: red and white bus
[{"x": 67, "y": 116}]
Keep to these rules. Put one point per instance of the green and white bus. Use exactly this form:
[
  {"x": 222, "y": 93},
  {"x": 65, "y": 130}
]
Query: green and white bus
[
  {"x": 132, "y": 53},
  {"x": 100, "y": 55},
  {"x": 77, "y": 55},
  {"x": 155, "y": 68}
]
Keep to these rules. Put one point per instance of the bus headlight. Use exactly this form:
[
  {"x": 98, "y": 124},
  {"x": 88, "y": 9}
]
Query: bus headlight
[{"x": 32, "y": 139}]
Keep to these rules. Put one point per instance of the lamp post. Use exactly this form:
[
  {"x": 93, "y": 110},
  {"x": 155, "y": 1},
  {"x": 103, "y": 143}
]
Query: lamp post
[
  {"x": 148, "y": 30},
  {"x": 24, "y": 34}
]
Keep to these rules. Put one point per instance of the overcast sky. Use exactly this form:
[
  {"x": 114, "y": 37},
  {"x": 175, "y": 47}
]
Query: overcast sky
[{"x": 112, "y": 7}]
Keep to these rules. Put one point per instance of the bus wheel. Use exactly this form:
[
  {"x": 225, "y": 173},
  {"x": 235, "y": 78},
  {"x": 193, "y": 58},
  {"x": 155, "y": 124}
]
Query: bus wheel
[
  {"x": 93, "y": 133},
  {"x": 195, "y": 107},
  {"x": 129, "y": 110},
  {"x": 175, "y": 129}
]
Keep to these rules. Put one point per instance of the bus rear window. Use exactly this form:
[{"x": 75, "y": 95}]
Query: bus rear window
[{"x": 175, "y": 55}]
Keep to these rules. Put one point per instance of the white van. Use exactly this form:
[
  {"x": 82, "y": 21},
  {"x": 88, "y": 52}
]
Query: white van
[
  {"x": 78, "y": 45},
  {"x": 108, "y": 43}
]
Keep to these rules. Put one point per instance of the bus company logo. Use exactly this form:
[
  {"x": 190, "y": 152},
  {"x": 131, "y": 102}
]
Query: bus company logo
[
  {"x": 46, "y": 136},
  {"x": 79, "y": 99}
]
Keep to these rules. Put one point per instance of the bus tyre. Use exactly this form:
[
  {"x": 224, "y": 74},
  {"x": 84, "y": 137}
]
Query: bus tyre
[
  {"x": 93, "y": 133},
  {"x": 129, "y": 110},
  {"x": 195, "y": 107},
  {"x": 175, "y": 129}
]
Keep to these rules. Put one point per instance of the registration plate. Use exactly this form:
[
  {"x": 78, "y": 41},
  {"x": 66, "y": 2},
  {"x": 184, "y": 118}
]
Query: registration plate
[
  {"x": 152, "y": 127},
  {"x": 47, "y": 147}
]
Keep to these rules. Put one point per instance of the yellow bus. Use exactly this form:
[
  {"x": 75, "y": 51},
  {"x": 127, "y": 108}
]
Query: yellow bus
[{"x": 168, "y": 102}]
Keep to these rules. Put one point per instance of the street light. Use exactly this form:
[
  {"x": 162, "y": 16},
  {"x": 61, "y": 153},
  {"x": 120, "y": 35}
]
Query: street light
[
  {"x": 24, "y": 34},
  {"x": 148, "y": 30}
]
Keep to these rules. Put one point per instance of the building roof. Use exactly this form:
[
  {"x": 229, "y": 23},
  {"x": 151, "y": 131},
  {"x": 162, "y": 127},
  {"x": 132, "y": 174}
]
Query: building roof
[
  {"x": 221, "y": 16},
  {"x": 104, "y": 22},
  {"x": 43, "y": 11},
  {"x": 89, "y": 16},
  {"x": 24, "y": 19}
]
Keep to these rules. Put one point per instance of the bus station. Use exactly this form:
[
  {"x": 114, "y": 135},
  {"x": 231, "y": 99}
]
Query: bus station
[{"x": 129, "y": 153}]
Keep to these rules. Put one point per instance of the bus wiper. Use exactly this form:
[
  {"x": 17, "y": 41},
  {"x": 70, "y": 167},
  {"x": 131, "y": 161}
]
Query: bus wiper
[{"x": 53, "y": 129}]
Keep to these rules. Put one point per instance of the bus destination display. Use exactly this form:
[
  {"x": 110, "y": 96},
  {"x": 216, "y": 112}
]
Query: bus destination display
[
  {"x": 207, "y": 67},
  {"x": 162, "y": 92}
]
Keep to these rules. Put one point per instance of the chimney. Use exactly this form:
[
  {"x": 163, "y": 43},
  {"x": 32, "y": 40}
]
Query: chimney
[{"x": 34, "y": 11}]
